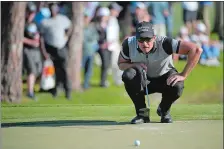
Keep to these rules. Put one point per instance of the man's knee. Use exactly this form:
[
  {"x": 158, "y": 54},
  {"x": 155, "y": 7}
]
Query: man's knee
[
  {"x": 129, "y": 74},
  {"x": 177, "y": 89},
  {"x": 132, "y": 75}
]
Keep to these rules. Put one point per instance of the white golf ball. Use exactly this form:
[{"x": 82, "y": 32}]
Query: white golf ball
[{"x": 137, "y": 142}]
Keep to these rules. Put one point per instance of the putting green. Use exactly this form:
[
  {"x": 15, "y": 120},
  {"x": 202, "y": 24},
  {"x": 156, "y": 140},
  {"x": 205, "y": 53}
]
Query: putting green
[{"x": 199, "y": 134}]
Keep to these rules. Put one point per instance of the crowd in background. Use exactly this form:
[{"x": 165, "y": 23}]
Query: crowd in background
[{"x": 48, "y": 28}]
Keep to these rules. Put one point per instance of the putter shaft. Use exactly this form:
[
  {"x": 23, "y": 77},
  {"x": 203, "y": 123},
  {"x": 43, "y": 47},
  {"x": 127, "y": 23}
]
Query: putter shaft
[{"x": 147, "y": 92}]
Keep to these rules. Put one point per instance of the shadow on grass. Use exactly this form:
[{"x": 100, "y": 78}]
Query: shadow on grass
[
  {"x": 59, "y": 123},
  {"x": 62, "y": 123}
]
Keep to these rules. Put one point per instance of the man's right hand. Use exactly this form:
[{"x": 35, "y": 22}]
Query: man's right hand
[
  {"x": 141, "y": 65},
  {"x": 125, "y": 64}
]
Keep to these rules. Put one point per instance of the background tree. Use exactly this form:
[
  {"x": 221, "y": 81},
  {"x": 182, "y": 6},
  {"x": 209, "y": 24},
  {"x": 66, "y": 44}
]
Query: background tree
[
  {"x": 218, "y": 26},
  {"x": 12, "y": 30},
  {"x": 75, "y": 45}
]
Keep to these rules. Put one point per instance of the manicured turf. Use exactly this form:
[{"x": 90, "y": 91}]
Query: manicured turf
[
  {"x": 104, "y": 112},
  {"x": 111, "y": 135}
]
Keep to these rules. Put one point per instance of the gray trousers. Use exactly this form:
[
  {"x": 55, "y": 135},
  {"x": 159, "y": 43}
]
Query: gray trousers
[
  {"x": 106, "y": 61},
  {"x": 32, "y": 61}
]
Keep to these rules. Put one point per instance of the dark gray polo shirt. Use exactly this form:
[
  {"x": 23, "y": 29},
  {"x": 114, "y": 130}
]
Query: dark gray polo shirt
[{"x": 159, "y": 60}]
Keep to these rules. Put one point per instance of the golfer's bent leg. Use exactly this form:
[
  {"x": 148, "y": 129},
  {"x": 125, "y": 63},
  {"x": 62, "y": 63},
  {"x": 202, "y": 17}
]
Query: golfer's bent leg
[
  {"x": 132, "y": 83},
  {"x": 169, "y": 96}
]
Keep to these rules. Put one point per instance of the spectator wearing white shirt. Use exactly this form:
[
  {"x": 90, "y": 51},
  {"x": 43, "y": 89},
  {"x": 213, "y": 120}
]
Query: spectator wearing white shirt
[{"x": 113, "y": 30}]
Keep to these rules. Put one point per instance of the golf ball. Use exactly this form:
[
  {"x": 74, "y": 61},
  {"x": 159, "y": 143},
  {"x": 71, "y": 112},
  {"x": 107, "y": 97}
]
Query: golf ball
[{"x": 137, "y": 142}]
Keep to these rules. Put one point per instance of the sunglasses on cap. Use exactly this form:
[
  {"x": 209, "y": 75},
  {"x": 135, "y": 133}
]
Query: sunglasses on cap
[{"x": 141, "y": 40}]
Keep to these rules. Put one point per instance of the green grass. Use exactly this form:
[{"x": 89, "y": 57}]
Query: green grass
[
  {"x": 204, "y": 85},
  {"x": 44, "y": 112}
]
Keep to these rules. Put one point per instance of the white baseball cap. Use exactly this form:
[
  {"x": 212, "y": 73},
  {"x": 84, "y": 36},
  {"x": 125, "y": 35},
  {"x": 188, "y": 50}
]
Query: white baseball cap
[{"x": 103, "y": 11}]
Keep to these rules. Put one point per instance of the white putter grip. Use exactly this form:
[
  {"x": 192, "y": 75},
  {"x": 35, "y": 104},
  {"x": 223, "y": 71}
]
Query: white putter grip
[{"x": 144, "y": 73}]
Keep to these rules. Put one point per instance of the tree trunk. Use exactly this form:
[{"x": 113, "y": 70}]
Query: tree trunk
[
  {"x": 13, "y": 20},
  {"x": 75, "y": 45},
  {"x": 218, "y": 26}
]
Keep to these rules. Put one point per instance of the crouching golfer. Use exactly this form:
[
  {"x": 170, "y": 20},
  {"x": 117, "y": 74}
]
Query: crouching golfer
[{"x": 152, "y": 53}]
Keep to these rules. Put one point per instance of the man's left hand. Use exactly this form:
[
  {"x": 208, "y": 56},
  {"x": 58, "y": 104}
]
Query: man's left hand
[{"x": 173, "y": 79}]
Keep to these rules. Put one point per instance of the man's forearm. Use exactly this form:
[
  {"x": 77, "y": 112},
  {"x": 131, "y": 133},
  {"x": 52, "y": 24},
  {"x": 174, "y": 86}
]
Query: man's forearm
[
  {"x": 193, "y": 58},
  {"x": 31, "y": 42},
  {"x": 123, "y": 66}
]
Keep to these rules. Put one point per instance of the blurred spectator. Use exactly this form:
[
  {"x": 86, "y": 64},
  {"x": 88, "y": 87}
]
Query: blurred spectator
[
  {"x": 203, "y": 13},
  {"x": 124, "y": 19},
  {"x": 91, "y": 7},
  {"x": 31, "y": 10},
  {"x": 113, "y": 31},
  {"x": 158, "y": 11},
  {"x": 210, "y": 54},
  {"x": 132, "y": 7},
  {"x": 183, "y": 36},
  {"x": 105, "y": 55},
  {"x": 140, "y": 15},
  {"x": 55, "y": 33},
  {"x": 95, "y": 18},
  {"x": 64, "y": 8},
  {"x": 90, "y": 46},
  {"x": 31, "y": 52},
  {"x": 190, "y": 14},
  {"x": 42, "y": 12},
  {"x": 199, "y": 36},
  {"x": 169, "y": 20}
]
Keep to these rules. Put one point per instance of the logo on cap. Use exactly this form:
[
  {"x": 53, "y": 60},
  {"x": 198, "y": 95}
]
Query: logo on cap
[{"x": 143, "y": 29}]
